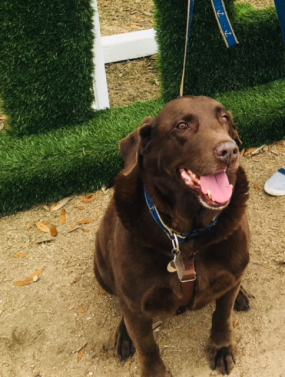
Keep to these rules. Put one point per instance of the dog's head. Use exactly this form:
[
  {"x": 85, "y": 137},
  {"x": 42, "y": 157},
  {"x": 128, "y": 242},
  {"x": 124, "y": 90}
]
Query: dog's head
[{"x": 192, "y": 145}]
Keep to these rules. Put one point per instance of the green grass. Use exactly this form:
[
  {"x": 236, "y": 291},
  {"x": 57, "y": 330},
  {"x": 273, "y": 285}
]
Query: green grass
[
  {"x": 46, "y": 167},
  {"x": 46, "y": 63},
  {"x": 213, "y": 68},
  {"x": 72, "y": 160}
]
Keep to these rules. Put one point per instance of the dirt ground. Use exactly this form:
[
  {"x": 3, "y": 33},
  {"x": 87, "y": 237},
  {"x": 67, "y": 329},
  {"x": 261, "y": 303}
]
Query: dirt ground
[{"x": 55, "y": 320}]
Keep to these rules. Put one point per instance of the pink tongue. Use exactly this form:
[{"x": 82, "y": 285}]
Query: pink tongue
[{"x": 219, "y": 186}]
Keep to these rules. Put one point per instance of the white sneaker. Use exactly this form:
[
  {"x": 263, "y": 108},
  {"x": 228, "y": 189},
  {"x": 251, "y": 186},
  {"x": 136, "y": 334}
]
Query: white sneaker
[{"x": 276, "y": 184}]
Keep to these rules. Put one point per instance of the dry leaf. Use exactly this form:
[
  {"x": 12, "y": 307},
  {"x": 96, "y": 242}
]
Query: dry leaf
[
  {"x": 257, "y": 150},
  {"x": 21, "y": 283},
  {"x": 29, "y": 226},
  {"x": 80, "y": 353},
  {"x": 60, "y": 204},
  {"x": 242, "y": 152},
  {"x": 53, "y": 231},
  {"x": 134, "y": 26},
  {"x": 42, "y": 226},
  {"x": 255, "y": 159},
  {"x": 81, "y": 309},
  {"x": 20, "y": 255},
  {"x": 97, "y": 212},
  {"x": 71, "y": 307},
  {"x": 63, "y": 216},
  {"x": 79, "y": 207},
  {"x": 3, "y": 117},
  {"x": 86, "y": 230},
  {"x": 52, "y": 206},
  {"x": 257, "y": 187},
  {"x": 86, "y": 221},
  {"x": 101, "y": 292},
  {"x": 236, "y": 323},
  {"x": 249, "y": 151},
  {"x": 88, "y": 198},
  {"x": 191, "y": 334},
  {"x": 37, "y": 273}
]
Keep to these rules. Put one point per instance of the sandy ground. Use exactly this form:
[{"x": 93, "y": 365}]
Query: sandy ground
[
  {"x": 63, "y": 324},
  {"x": 55, "y": 320}
]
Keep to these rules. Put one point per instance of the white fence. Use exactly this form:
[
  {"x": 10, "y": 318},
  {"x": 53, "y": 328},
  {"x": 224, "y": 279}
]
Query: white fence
[{"x": 116, "y": 48}]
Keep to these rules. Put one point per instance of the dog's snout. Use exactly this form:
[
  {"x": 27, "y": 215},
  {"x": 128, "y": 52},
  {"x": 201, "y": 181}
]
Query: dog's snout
[{"x": 227, "y": 152}]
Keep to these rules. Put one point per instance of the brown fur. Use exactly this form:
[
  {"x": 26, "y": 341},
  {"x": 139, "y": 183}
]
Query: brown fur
[{"x": 132, "y": 252}]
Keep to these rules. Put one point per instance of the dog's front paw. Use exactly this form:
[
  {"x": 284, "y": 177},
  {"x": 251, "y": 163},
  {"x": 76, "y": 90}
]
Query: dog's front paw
[
  {"x": 242, "y": 301},
  {"x": 222, "y": 359},
  {"x": 123, "y": 343}
]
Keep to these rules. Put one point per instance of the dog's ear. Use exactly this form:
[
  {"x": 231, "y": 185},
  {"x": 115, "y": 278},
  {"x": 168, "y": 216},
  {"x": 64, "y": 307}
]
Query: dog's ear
[{"x": 138, "y": 142}]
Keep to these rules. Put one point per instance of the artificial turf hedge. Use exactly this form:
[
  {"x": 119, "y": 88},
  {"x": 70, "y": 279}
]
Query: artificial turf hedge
[
  {"x": 46, "y": 63},
  {"x": 213, "y": 68},
  {"x": 44, "y": 168}
]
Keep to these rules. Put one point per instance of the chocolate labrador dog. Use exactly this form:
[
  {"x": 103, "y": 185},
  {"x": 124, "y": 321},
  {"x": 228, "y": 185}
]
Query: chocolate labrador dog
[{"x": 175, "y": 234}]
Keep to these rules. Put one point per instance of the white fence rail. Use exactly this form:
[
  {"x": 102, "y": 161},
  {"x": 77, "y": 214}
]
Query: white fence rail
[{"x": 115, "y": 48}]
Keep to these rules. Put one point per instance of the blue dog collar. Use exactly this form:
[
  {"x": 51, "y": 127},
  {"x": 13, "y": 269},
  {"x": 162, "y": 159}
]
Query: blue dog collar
[{"x": 173, "y": 235}]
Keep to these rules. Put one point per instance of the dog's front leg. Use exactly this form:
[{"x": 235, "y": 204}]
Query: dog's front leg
[
  {"x": 139, "y": 328},
  {"x": 222, "y": 352}
]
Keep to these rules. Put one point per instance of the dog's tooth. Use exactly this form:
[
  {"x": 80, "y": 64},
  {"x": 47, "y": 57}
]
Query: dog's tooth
[{"x": 209, "y": 194}]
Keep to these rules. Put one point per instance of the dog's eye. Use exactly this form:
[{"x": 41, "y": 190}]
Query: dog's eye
[
  {"x": 226, "y": 118},
  {"x": 182, "y": 126}
]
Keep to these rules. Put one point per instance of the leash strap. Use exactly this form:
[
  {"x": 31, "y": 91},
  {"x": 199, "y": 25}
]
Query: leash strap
[
  {"x": 190, "y": 11},
  {"x": 224, "y": 23},
  {"x": 224, "y": 26},
  {"x": 188, "y": 280}
]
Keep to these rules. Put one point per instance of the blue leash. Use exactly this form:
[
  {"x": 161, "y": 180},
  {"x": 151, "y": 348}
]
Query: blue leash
[
  {"x": 280, "y": 9},
  {"x": 224, "y": 25}
]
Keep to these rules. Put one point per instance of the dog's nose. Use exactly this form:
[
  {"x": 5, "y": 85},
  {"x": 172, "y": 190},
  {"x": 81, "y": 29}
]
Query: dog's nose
[{"x": 227, "y": 152}]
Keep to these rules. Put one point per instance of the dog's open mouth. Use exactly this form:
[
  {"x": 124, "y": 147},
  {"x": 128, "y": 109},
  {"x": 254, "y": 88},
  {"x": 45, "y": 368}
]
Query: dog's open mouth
[{"x": 214, "y": 191}]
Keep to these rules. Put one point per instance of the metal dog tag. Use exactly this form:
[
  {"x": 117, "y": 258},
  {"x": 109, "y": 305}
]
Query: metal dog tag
[
  {"x": 179, "y": 264},
  {"x": 171, "y": 266}
]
